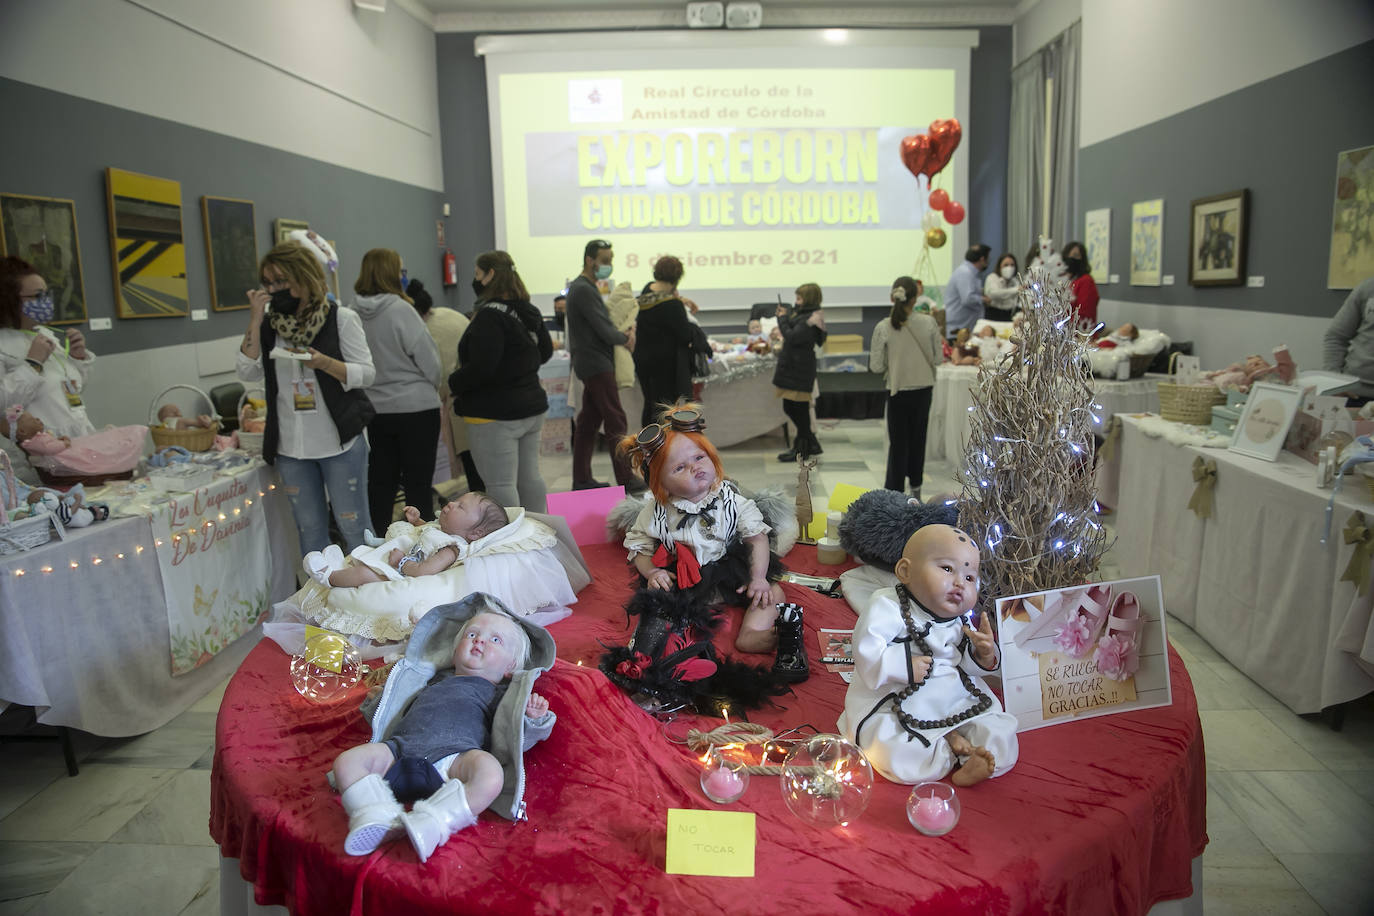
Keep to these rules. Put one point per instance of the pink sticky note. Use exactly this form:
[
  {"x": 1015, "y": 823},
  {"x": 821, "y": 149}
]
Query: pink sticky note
[{"x": 586, "y": 511}]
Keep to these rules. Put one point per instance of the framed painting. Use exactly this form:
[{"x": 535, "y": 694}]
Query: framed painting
[
  {"x": 1352, "y": 220},
  {"x": 42, "y": 231},
  {"x": 1147, "y": 243},
  {"x": 1217, "y": 235},
  {"x": 1097, "y": 235},
  {"x": 231, "y": 250},
  {"x": 281, "y": 228},
  {"x": 146, "y": 246}
]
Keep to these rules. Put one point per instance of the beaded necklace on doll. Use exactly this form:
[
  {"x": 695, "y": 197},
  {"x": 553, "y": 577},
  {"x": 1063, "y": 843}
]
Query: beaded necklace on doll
[{"x": 910, "y": 723}]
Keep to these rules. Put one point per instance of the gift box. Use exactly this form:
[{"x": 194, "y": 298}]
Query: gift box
[
  {"x": 556, "y": 437},
  {"x": 1224, "y": 419}
]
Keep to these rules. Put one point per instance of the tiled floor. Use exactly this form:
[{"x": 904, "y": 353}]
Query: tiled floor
[{"x": 1290, "y": 802}]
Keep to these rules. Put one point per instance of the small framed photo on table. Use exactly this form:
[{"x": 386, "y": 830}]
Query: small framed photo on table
[
  {"x": 1217, "y": 238},
  {"x": 1264, "y": 423}
]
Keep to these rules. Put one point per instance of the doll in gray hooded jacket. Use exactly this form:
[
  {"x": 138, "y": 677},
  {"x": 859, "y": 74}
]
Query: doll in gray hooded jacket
[{"x": 449, "y": 738}]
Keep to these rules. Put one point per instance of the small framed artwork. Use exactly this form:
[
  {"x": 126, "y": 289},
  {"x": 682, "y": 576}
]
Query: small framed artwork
[
  {"x": 146, "y": 246},
  {"x": 231, "y": 249},
  {"x": 281, "y": 228},
  {"x": 42, "y": 231},
  {"x": 1097, "y": 235},
  {"x": 1352, "y": 245},
  {"x": 1147, "y": 243},
  {"x": 1264, "y": 423},
  {"x": 1216, "y": 239}
]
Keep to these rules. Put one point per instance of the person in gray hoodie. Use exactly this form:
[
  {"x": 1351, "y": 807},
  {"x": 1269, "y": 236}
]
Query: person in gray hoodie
[
  {"x": 404, "y": 435},
  {"x": 1349, "y": 343},
  {"x": 450, "y": 729}
]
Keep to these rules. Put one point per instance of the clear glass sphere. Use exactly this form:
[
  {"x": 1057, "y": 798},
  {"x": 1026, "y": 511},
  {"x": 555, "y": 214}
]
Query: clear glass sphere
[
  {"x": 826, "y": 781},
  {"x": 933, "y": 808},
  {"x": 328, "y": 668}
]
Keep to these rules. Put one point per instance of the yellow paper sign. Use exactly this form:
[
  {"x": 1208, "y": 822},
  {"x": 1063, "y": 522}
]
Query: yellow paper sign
[
  {"x": 717, "y": 843},
  {"x": 1069, "y": 686},
  {"x": 324, "y": 649},
  {"x": 841, "y": 498}
]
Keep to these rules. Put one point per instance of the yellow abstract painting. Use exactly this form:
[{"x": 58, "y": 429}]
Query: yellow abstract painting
[{"x": 147, "y": 250}]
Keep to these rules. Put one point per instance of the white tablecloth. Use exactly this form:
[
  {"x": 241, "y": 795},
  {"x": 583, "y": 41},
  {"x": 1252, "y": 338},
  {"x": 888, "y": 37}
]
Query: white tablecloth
[
  {"x": 87, "y": 646},
  {"x": 736, "y": 410},
  {"x": 1254, "y": 580},
  {"x": 953, "y": 396}
]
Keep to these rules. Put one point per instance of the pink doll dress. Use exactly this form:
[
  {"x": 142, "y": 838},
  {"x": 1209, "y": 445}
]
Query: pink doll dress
[{"x": 110, "y": 451}]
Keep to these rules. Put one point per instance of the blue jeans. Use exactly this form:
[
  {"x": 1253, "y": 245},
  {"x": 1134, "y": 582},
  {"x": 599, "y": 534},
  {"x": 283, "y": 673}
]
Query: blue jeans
[{"x": 344, "y": 477}]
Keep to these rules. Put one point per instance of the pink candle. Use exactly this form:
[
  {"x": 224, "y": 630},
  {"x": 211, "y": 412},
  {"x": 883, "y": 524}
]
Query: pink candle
[
  {"x": 724, "y": 783},
  {"x": 934, "y": 815}
]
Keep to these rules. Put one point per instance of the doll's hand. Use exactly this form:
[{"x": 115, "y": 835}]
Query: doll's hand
[
  {"x": 412, "y": 515},
  {"x": 65, "y": 440},
  {"x": 659, "y": 578},
  {"x": 394, "y": 557},
  {"x": 536, "y": 706},
  {"x": 920, "y": 667},
  {"x": 759, "y": 591},
  {"x": 76, "y": 343},
  {"x": 984, "y": 644}
]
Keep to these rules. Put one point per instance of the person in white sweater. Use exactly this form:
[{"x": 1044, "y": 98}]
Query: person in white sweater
[
  {"x": 905, "y": 349},
  {"x": 1001, "y": 287}
]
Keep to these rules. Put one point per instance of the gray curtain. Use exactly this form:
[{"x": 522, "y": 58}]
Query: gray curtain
[{"x": 1026, "y": 208}]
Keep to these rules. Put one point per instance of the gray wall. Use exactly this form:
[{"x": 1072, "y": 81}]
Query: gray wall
[
  {"x": 467, "y": 151},
  {"x": 1279, "y": 138},
  {"x": 60, "y": 145}
]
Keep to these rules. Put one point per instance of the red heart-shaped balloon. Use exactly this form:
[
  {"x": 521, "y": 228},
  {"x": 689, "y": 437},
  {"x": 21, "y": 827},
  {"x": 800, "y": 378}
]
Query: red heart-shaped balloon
[
  {"x": 944, "y": 139},
  {"x": 916, "y": 153}
]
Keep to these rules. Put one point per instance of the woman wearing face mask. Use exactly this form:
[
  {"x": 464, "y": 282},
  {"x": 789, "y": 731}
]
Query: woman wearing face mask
[
  {"x": 40, "y": 367},
  {"x": 313, "y": 359},
  {"x": 403, "y": 437},
  {"x": 1084, "y": 287},
  {"x": 496, "y": 387},
  {"x": 1001, "y": 288}
]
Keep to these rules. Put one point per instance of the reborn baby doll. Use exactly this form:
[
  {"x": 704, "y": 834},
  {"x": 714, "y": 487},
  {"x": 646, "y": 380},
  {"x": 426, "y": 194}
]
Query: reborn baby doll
[
  {"x": 965, "y": 353},
  {"x": 113, "y": 450},
  {"x": 169, "y": 415},
  {"x": 918, "y": 707},
  {"x": 1241, "y": 376},
  {"x": 442, "y": 731},
  {"x": 414, "y": 549}
]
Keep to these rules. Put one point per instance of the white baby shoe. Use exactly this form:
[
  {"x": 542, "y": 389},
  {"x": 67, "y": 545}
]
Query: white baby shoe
[{"x": 320, "y": 564}]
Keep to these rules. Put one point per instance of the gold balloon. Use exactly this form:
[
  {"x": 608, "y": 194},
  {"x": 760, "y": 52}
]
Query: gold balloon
[{"x": 935, "y": 238}]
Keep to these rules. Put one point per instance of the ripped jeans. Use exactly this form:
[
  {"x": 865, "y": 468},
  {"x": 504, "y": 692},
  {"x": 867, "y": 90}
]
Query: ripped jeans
[{"x": 344, "y": 477}]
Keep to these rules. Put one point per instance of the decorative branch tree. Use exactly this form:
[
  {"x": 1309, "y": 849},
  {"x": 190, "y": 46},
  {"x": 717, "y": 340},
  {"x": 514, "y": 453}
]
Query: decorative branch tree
[{"x": 1028, "y": 493}]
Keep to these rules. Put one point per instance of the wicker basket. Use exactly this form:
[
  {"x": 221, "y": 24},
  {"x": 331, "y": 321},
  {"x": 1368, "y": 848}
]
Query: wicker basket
[
  {"x": 25, "y": 534},
  {"x": 1188, "y": 403},
  {"x": 249, "y": 442},
  {"x": 193, "y": 440},
  {"x": 1141, "y": 362}
]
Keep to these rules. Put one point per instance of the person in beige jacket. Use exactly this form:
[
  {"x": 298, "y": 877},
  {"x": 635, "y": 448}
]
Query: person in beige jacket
[{"x": 906, "y": 349}]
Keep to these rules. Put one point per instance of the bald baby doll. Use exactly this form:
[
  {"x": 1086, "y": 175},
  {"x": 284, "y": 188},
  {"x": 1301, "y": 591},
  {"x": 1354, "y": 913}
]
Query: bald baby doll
[{"x": 918, "y": 706}]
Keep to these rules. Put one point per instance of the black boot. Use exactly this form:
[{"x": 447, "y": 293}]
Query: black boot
[
  {"x": 790, "y": 665},
  {"x": 813, "y": 445},
  {"x": 788, "y": 456}
]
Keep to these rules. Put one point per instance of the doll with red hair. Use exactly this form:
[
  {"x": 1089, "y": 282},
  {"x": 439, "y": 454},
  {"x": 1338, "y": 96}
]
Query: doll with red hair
[{"x": 704, "y": 543}]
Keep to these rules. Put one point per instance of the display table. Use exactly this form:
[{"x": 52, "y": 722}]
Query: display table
[
  {"x": 1254, "y": 580},
  {"x": 954, "y": 387},
  {"x": 739, "y": 404},
  {"x": 1105, "y": 815},
  {"x": 86, "y": 644}
]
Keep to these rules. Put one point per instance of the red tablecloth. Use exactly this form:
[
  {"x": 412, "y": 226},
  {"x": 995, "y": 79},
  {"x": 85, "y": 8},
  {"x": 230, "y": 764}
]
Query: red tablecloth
[{"x": 1099, "y": 816}]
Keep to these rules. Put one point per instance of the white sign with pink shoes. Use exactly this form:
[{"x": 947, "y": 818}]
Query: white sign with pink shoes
[{"x": 1086, "y": 651}]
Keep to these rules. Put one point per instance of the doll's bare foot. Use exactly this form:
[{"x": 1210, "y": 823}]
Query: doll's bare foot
[{"x": 976, "y": 768}]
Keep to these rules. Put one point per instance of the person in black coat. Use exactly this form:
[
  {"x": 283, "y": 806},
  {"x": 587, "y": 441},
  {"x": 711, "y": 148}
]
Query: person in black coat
[
  {"x": 496, "y": 387},
  {"x": 802, "y": 330},
  {"x": 663, "y": 341}
]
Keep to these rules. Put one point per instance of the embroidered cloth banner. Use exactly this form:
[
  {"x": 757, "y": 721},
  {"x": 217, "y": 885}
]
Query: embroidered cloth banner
[{"x": 212, "y": 548}]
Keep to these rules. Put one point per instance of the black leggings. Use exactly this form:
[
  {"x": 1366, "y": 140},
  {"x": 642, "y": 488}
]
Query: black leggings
[
  {"x": 908, "y": 412},
  {"x": 799, "y": 412},
  {"x": 403, "y": 449}
]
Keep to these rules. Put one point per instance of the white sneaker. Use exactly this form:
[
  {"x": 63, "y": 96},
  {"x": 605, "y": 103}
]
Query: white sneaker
[
  {"x": 374, "y": 815},
  {"x": 320, "y": 564}
]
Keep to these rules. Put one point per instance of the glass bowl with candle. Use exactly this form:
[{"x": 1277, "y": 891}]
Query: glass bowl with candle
[
  {"x": 933, "y": 808},
  {"x": 723, "y": 779}
]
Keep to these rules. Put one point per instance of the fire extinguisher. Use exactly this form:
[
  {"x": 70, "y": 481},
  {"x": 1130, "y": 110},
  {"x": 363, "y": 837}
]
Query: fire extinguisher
[{"x": 450, "y": 268}]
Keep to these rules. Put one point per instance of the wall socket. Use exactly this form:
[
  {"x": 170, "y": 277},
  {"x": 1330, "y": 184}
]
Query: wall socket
[
  {"x": 1113, "y": 278},
  {"x": 199, "y": 314},
  {"x": 100, "y": 324},
  {"x": 1254, "y": 282},
  {"x": 710, "y": 15},
  {"x": 748, "y": 15},
  {"x": 1167, "y": 280}
]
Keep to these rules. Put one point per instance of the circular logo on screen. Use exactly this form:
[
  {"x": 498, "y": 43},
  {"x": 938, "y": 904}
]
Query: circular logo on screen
[{"x": 1264, "y": 420}]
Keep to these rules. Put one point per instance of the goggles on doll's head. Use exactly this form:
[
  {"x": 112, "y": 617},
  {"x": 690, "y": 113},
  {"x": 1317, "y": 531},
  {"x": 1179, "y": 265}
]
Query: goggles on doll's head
[
  {"x": 685, "y": 420},
  {"x": 652, "y": 437}
]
